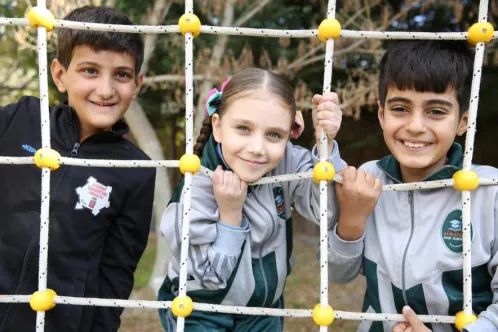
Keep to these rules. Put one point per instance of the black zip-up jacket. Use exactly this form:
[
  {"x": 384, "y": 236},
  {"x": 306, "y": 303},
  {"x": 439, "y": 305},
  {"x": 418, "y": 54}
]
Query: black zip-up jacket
[{"x": 99, "y": 220}]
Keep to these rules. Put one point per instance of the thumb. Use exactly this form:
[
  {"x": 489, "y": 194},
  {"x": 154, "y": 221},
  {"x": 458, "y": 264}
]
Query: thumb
[{"x": 412, "y": 318}]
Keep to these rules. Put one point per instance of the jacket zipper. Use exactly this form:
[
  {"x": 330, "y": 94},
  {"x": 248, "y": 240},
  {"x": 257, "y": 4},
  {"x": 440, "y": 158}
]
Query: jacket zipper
[
  {"x": 261, "y": 249},
  {"x": 74, "y": 153},
  {"x": 403, "y": 270}
]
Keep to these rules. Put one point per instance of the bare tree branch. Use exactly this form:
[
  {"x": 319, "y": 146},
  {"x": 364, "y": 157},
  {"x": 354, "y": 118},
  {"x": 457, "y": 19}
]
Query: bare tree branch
[
  {"x": 250, "y": 13},
  {"x": 360, "y": 42}
]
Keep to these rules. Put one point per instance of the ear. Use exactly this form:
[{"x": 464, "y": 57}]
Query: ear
[
  {"x": 380, "y": 114},
  {"x": 216, "y": 123},
  {"x": 462, "y": 124},
  {"x": 138, "y": 84},
  {"x": 58, "y": 75}
]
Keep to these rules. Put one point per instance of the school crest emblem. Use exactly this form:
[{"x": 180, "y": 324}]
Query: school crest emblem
[
  {"x": 451, "y": 231},
  {"x": 278, "y": 194},
  {"x": 93, "y": 196}
]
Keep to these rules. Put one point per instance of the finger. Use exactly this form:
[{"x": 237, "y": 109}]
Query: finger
[
  {"x": 370, "y": 180},
  {"x": 349, "y": 175},
  {"x": 360, "y": 176},
  {"x": 218, "y": 176},
  {"x": 377, "y": 186},
  {"x": 399, "y": 327},
  {"x": 330, "y": 96},
  {"x": 316, "y": 99},
  {"x": 227, "y": 179},
  {"x": 235, "y": 182},
  {"x": 243, "y": 186},
  {"x": 412, "y": 318}
]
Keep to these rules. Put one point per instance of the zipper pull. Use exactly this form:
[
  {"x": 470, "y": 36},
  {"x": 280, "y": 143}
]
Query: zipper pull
[{"x": 74, "y": 151}]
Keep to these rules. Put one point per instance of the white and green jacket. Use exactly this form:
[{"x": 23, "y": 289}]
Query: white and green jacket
[
  {"x": 244, "y": 266},
  {"x": 411, "y": 251}
]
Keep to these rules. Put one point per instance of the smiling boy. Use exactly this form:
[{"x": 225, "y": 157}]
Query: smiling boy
[
  {"x": 408, "y": 244},
  {"x": 99, "y": 217}
]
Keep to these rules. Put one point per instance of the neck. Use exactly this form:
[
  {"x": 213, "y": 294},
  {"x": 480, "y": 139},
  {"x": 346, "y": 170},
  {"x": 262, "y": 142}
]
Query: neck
[
  {"x": 409, "y": 175},
  {"x": 87, "y": 132}
]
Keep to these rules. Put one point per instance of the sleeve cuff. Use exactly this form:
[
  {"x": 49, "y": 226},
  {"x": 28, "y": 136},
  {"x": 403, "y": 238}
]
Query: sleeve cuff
[
  {"x": 244, "y": 225},
  {"x": 229, "y": 241},
  {"x": 481, "y": 325},
  {"x": 345, "y": 248},
  {"x": 334, "y": 158}
]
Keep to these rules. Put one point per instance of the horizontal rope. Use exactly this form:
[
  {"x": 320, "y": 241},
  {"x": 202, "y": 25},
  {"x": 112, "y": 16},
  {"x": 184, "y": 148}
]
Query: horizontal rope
[
  {"x": 161, "y": 29},
  {"x": 225, "y": 309}
]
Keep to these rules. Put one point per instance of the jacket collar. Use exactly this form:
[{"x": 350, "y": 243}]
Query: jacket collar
[
  {"x": 65, "y": 119},
  {"x": 390, "y": 166},
  {"x": 211, "y": 155}
]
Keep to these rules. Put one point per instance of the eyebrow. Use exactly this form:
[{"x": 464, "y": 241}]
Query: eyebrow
[
  {"x": 427, "y": 103},
  {"x": 89, "y": 63},
  {"x": 247, "y": 122}
]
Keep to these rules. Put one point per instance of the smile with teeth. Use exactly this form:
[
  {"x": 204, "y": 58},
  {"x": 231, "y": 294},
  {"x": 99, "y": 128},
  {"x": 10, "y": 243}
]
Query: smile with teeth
[
  {"x": 103, "y": 104},
  {"x": 416, "y": 145}
]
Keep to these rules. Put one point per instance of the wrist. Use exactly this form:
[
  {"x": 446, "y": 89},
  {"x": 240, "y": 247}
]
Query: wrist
[
  {"x": 351, "y": 229},
  {"x": 232, "y": 218}
]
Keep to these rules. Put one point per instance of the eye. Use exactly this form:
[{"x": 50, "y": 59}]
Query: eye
[
  {"x": 90, "y": 71},
  {"x": 242, "y": 128},
  {"x": 123, "y": 75},
  {"x": 437, "y": 112},
  {"x": 399, "y": 109},
  {"x": 275, "y": 135}
]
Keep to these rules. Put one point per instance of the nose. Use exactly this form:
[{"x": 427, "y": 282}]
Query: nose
[
  {"x": 105, "y": 87},
  {"x": 416, "y": 123},
  {"x": 256, "y": 145}
]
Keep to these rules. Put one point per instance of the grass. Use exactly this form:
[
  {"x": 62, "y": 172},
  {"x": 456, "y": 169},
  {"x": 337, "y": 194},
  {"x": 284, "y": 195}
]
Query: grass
[{"x": 302, "y": 291}]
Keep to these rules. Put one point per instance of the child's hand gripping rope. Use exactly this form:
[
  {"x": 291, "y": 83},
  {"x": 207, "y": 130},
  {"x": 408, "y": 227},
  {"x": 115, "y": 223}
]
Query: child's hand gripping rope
[
  {"x": 230, "y": 193},
  {"x": 327, "y": 115},
  {"x": 414, "y": 324},
  {"x": 357, "y": 197}
]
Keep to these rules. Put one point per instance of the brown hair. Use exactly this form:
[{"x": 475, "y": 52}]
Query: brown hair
[
  {"x": 242, "y": 83},
  {"x": 129, "y": 43}
]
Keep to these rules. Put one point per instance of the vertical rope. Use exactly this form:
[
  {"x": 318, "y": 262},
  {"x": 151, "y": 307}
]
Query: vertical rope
[
  {"x": 467, "y": 165},
  {"x": 45, "y": 173},
  {"x": 327, "y": 85},
  {"x": 187, "y": 187}
]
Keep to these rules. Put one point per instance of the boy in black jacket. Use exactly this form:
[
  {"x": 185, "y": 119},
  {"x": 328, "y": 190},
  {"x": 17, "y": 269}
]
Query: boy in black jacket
[{"x": 99, "y": 217}]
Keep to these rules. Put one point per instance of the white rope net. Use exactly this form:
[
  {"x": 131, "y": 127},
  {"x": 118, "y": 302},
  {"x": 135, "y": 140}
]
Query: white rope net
[{"x": 331, "y": 9}]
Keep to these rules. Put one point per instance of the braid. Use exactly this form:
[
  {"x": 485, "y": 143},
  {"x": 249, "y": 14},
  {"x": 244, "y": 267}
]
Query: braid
[{"x": 206, "y": 130}]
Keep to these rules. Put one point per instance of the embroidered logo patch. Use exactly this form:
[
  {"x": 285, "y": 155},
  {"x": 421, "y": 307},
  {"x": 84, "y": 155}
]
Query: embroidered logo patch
[
  {"x": 278, "y": 193},
  {"x": 93, "y": 196},
  {"x": 451, "y": 231}
]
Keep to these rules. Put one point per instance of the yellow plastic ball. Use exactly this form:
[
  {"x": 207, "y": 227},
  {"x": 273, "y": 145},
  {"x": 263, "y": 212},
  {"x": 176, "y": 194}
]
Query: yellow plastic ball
[
  {"x": 329, "y": 28},
  {"x": 465, "y": 180},
  {"x": 190, "y": 23},
  {"x": 323, "y": 316},
  {"x": 182, "y": 306},
  {"x": 42, "y": 301},
  {"x": 480, "y": 32},
  {"x": 41, "y": 16},
  {"x": 462, "y": 319},
  {"x": 47, "y": 158},
  {"x": 190, "y": 163},
  {"x": 323, "y": 171}
]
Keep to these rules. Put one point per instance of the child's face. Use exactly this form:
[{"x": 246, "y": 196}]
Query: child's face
[
  {"x": 253, "y": 132},
  {"x": 419, "y": 129},
  {"x": 100, "y": 86}
]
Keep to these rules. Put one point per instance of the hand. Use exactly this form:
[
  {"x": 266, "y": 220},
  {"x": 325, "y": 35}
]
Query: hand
[
  {"x": 357, "y": 196},
  {"x": 327, "y": 115},
  {"x": 230, "y": 193},
  {"x": 413, "y": 325}
]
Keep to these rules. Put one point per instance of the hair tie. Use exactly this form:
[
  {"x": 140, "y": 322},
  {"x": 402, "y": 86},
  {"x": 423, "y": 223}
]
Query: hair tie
[{"x": 213, "y": 99}]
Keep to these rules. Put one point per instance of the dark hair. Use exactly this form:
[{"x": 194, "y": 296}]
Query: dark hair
[
  {"x": 129, "y": 43},
  {"x": 245, "y": 82},
  {"x": 428, "y": 66}
]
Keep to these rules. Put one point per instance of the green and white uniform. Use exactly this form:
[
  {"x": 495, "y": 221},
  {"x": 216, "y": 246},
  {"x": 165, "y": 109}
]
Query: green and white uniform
[
  {"x": 244, "y": 266},
  {"x": 411, "y": 251}
]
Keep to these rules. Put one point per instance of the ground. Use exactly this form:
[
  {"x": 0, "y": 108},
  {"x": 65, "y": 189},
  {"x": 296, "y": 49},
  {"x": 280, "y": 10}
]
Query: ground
[{"x": 301, "y": 292}]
